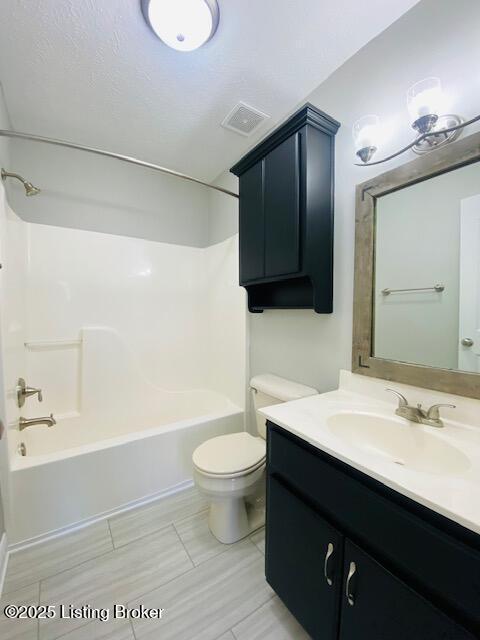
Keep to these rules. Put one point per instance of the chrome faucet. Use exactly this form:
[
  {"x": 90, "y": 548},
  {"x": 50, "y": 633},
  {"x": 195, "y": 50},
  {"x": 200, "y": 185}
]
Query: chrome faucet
[
  {"x": 431, "y": 417},
  {"x": 30, "y": 422}
]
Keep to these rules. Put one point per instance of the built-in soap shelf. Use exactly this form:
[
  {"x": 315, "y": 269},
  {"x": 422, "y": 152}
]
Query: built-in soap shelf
[
  {"x": 55, "y": 364},
  {"x": 52, "y": 344}
]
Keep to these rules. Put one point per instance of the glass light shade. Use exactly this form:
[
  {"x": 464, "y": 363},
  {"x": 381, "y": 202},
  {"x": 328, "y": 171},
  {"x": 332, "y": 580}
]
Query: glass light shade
[
  {"x": 182, "y": 24},
  {"x": 366, "y": 132},
  {"x": 425, "y": 98}
]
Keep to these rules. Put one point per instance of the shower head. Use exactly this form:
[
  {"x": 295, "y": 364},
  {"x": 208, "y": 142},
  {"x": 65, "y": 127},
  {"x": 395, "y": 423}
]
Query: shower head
[{"x": 30, "y": 190}]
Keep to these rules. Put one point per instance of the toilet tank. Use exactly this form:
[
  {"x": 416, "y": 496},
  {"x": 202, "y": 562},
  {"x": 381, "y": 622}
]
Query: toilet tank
[{"x": 269, "y": 389}]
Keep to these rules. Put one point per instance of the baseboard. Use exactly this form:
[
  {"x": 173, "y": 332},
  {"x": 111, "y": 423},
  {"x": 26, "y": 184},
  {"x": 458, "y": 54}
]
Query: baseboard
[
  {"x": 3, "y": 560},
  {"x": 182, "y": 486}
]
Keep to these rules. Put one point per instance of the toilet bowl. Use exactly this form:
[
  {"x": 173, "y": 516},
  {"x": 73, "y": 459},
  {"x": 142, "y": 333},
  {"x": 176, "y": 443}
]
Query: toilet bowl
[{"x": 230, "y": 470}]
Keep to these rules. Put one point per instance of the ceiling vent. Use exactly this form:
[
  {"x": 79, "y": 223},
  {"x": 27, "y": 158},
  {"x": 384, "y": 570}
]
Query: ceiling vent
[{"x": 244, "y": 119}]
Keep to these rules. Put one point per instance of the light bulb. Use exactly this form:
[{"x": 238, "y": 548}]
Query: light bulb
[
  {"x": 366, "y": 136},
  {"x": 182, "y": 24},
  {"x": 424, "y": 102}
]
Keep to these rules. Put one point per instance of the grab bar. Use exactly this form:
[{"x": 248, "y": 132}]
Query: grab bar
[{"x": 437, "y": 288}]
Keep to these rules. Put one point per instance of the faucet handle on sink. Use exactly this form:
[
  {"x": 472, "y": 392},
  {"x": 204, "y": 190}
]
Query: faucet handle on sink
[
  {"x": 434, "y": 414},
  {"x": 402, "y": 401}
]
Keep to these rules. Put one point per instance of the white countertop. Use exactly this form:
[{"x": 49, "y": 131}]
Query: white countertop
[{"x": 455, "y": 495}]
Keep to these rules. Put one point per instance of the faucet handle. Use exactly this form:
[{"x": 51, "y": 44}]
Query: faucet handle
[
  {"x": 23, "y": 392},
  {"x": 402, "y": 401},
  {"x": 31, "y": 391},
  {"x": 434, "y": 414}
]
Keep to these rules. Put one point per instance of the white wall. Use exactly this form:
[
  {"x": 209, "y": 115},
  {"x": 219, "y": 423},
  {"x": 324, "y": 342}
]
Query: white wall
[
  {"x": 417, "y": 245},
  {"x": 83, "y": 191},
  {"x": 436, "y": 37}
]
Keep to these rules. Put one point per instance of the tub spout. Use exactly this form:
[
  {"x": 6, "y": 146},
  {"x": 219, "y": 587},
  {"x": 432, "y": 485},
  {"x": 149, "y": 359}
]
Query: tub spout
[{"x": 30, "y": 422}]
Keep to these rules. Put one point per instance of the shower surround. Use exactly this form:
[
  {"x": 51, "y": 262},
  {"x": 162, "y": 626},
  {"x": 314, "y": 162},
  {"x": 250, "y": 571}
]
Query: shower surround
[{"x": 139, "y": 348}]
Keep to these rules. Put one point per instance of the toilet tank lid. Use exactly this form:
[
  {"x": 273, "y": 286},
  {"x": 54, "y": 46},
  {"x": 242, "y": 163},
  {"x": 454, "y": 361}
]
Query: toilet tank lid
[{"x": 280, "y": 388}]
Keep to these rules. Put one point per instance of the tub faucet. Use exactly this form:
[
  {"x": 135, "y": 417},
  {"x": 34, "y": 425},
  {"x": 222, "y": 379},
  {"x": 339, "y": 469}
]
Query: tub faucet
[
  {"x": 431, "y": 417},
  {"x": 30, "y": 422}
]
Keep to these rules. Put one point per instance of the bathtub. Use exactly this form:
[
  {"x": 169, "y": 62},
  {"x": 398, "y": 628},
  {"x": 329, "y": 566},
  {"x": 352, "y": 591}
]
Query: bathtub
[
  {"x": 119, "y": 440},
  {"x": 78, "y": 471}
]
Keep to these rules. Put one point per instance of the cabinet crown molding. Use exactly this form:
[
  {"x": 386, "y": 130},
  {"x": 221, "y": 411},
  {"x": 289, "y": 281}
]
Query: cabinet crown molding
[{"x": 307, "y": 115}]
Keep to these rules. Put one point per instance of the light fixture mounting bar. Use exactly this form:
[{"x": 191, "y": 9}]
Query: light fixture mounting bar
[{"x": 419, "y": 139}]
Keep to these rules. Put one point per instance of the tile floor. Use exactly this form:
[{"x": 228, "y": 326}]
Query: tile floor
[{"x": 160, "y": 555}]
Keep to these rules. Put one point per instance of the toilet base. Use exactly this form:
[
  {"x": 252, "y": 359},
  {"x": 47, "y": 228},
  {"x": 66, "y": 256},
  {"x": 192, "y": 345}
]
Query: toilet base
[{"x": 236, "y": 518}]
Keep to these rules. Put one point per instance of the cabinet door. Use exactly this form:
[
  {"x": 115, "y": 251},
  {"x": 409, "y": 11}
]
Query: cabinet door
[
  {"x": 252, "y": 227},
  {"x": 378, "y": 606},
  {"x": 282, "y": 208},
  {"x": 303, "y": 561}
]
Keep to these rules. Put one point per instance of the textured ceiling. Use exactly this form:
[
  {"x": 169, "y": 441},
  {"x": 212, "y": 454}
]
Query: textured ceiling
[{"x": 92, "y": 72}]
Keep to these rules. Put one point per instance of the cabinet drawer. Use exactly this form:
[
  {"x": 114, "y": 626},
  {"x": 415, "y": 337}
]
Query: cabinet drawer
[{"x": 437, "y": 564}]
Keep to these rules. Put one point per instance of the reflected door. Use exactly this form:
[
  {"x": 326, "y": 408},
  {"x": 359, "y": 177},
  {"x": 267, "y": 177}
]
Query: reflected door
[{"x": 469, "y": 308}]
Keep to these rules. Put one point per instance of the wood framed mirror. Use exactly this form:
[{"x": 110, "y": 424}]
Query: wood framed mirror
[{"x": 417, "y": 272}]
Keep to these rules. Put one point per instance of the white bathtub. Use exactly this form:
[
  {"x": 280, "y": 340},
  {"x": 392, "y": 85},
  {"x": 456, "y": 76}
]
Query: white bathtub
[{"x": 82, "y": 469}]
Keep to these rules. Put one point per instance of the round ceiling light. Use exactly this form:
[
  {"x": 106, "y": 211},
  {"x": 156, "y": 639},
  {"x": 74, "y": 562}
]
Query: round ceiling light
[{"x": 182, "y": 24}]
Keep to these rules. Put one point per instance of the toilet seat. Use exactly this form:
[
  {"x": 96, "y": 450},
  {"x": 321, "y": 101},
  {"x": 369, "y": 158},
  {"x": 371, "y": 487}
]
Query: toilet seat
[{"x": 230, "y": 456}]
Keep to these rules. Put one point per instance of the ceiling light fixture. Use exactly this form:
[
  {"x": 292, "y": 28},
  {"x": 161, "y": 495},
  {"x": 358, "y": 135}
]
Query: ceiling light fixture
[
  {"x": 425, "y": 103},
  {"x": 184, "y": 25}
]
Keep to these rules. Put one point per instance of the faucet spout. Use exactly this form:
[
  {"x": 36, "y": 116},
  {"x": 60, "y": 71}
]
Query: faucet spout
[{"x": 30, "y": 422}]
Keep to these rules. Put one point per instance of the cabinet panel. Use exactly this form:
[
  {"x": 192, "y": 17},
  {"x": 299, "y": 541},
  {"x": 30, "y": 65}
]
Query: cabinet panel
[
  {"x": 252, "y": 238},
  {"x": 378, "y": 606},
  {"x": 282, "y": 208},
  {"x": 297, "y": 566}
]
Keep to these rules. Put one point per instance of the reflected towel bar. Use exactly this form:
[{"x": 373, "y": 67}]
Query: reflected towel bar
[{"x": 438, "y": 288}]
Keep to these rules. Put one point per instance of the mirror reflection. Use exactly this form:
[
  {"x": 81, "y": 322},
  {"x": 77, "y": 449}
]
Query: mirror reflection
[{"x": 427, "y": 272}]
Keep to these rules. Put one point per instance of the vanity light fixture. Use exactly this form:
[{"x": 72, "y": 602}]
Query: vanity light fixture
[
  {"x": 366, "y": 136},
  {"x": 425, "y": 103},
  {"x": 184, "y": 25}
]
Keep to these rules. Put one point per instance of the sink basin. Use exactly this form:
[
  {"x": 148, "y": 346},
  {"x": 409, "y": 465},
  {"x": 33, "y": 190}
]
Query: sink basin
[{"x": 403, "y": 443}]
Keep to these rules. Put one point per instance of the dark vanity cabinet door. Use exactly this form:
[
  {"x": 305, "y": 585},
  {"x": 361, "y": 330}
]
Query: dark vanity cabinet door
[
  {"x": 303, "y": 561},
  {"x": 378, "y": 606},
  {"x": 252, "y": 225},
  {"x": 282, "y": 208}
]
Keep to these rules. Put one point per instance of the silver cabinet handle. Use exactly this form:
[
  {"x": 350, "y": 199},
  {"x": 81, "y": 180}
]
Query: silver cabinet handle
[
  {"x": 467, "y": 342},
  {"x": 328, "y": 555},
  {"x": 351, "y": 573}
]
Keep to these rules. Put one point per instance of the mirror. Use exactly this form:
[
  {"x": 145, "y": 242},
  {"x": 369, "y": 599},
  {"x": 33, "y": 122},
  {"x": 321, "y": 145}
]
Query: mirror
[
  {"x": 417, "y": 272},
  {"x": 427, "y": 272}
]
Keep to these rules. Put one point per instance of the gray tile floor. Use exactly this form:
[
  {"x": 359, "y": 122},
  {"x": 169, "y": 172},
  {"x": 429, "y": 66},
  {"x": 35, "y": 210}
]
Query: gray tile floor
[{"x": 161, "y": 555}]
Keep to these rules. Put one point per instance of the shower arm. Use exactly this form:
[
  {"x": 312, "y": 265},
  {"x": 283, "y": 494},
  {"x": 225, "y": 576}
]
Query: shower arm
[{"x": 110, "y": 154}]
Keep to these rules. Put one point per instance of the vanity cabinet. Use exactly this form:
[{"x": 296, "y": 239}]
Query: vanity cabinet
[
  {"x": 394, "y": 570},
  {"x": 286, "y": 215}
]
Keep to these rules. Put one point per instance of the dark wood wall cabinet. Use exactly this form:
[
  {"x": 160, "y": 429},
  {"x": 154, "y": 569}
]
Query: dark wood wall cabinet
[
  {"x": 286, "y": 215},
  {"x": 354, "y": 560}
]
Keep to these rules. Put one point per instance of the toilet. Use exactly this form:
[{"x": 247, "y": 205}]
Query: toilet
[{"x": 230, "y": 469}]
